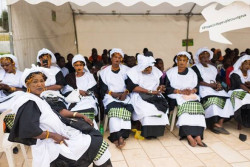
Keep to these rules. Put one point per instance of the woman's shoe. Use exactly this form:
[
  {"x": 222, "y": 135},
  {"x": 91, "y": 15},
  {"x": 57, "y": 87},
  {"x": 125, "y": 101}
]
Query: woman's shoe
[
  {"x": 138, "y": 135},
  {"x": 202, "y": 144}
]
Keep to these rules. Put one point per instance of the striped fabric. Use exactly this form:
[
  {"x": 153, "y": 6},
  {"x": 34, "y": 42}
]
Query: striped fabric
[
  {"x": 9, "y": 121},
  {"x": 101, "y": 151},
  {"x": 237, "y": 94},
  {"x": 90, "y": 115},
  {"x": 121, "y": 113},
  {"x": 190, "y": 107},
  {"x": 220, "y": 102}
]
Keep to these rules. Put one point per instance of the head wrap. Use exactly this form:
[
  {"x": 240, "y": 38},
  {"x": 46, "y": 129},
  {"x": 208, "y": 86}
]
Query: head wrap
[
  {"x": 239, "y": 62},
  {"x": 144, "y": 62},
  {"x": 201, "y": 50},
  {"x": 80, "y": 57},
  {"x": 183, "y": 53},
  {"x": 116, "y": 50},
  {"x": 12, "y": 57},
  {"x": 46, "y": 51},
  {"x": 33, "y": 69}
]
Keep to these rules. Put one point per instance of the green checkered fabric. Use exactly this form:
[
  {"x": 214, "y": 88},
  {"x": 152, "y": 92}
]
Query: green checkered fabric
[
  {"x": 121, "y": 113},
  {"x": 191, "y": 107},
  {"x": 90, "y": 115},
  {"x": 220, "y": 102},
  {"x": 239, "y": 94},
  {"x": 101, "y": 151},
  {"x": 9, "y": 121}
]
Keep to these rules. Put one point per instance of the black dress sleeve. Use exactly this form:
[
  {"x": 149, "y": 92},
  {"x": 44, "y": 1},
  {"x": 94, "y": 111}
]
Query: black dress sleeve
[
  {"x": 130, "y": 85},
  {"x": 26, "y": 124},
  {"x": 196, "y": 70},
  {"x": 94, "y": 89},
  {"x": 103, "y": 88},
  {"x": 169, "y": 89},
  {"x": 60, "y": 80},
  {"x": 235, "y": 81},
  {"x": 218, "y": 78}
]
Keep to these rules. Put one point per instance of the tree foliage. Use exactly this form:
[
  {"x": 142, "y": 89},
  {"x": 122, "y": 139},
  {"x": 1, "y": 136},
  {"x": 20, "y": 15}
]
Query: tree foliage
[{"x": 4, "y": 20}]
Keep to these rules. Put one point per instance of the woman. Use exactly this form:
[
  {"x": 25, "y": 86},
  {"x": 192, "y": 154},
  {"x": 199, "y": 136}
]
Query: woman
[
  {"x": 85, "y": 82},
  {"x": 115, "y": 98},
  {"x": 182, "y": 85},
  {"x": 47, "y": 60},
  {"x": 150, "y": 106},
  {"x": 52, "y": 142},
  {"x": 240, "y": 90},
  {"x": 215, "y": 100},
  {"x": 10, "y": 85}
]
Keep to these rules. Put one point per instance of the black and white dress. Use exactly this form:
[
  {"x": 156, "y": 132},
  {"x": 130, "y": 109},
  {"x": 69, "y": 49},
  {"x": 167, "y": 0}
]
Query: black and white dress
[
  {"x": 152, "y": 119},
  {"x": 119, "y": 112},
  {"x": 216, "y": 104},
  {"x": 33, "y": 116},
  {"x": 240, "y": 98},
  {"x": 191, "y": 120}
]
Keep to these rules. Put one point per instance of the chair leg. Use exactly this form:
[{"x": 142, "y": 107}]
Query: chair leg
[
  {"x": 106, "y": 119},
  {"x": 173, "y": 119},
  {"x": 24, "y": 155},
  {"x": 10, "y": 159}
]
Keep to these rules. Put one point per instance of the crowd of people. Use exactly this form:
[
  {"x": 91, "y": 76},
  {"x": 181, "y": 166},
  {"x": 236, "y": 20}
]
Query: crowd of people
[{"x": 56, "y": 105}]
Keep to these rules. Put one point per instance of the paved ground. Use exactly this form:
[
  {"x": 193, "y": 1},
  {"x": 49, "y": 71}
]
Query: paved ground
[{"x": 222, "y": 151}]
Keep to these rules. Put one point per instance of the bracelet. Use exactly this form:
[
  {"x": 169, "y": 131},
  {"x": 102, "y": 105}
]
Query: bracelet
[
  {"x": 110, "y": 92},
  {"x": 150, "y": 91},
  {"x": 177, "y": 91},
  {"x": 12, "y": 89},
  {"x": 127, "y": 91},
  {"x": 74, "y": 115},
  {"x": 47, "y": 134}
]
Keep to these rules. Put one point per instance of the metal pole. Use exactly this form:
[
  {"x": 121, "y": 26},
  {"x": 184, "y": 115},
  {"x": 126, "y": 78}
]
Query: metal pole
[
  {"x": 10, "y": 30},
  {"x": 188, "y": 15},
  {"x": 74, "y": 22}
]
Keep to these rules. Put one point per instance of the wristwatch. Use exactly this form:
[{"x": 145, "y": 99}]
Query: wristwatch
[{"x": 150, "y": 91}]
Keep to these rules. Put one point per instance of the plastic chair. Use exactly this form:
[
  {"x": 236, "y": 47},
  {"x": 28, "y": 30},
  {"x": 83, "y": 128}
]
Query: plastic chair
[
  {"x": 7, "y": 146},
  {"x": 173, "y": 114}
]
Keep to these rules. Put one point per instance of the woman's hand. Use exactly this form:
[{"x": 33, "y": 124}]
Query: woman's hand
[
  {"x": 185, "y": 92},
  {"x": 116, "y": 95},
  {"x": 4, "y": 87},
  {"x": 123, "y": 96},
  {"x": 88, "y": 120},
  {"x": 219, "y": 87},
  {"x": 83, "y": 93},
  {"x": 161, "y": 88},
  {"x": 59, "y": 139},
  {"x": 247, "y": 84},
  {"x": 213, "y": 85}
]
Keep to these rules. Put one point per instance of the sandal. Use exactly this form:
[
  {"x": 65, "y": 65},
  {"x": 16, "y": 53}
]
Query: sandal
[{"x": 202, "y": 144}]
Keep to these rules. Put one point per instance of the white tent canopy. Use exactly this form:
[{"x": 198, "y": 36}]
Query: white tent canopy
[{"x": 71, "y": 26}]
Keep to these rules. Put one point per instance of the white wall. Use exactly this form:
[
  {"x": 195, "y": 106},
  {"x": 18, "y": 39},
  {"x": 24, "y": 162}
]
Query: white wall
[{"x": 161, "y": 34}]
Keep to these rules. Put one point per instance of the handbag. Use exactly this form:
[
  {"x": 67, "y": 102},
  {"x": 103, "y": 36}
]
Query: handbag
[
  {"x": 158, "y": 101},
  {"x": 73, "y": 97}
]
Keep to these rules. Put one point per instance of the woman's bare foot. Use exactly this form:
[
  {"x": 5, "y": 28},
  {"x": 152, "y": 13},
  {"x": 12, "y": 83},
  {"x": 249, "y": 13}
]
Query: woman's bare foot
[
  {"x": 116, "y": 143},
  {"x": 121, "y": 142},
  {"x": 191, "y": 141}
]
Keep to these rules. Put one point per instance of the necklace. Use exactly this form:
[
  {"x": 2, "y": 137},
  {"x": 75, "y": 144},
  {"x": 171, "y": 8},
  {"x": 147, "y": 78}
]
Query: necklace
[{"x": 115, "y": 68}]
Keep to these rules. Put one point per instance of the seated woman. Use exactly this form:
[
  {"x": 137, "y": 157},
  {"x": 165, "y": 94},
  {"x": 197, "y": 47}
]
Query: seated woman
[
  {"x": 215, "y": 100},
  {"x": 53, "y": 143},
  {"x": 240, "y": 90},
  {"x": 85, "y": 82},
  {"x": 151, "y": 108},
  {"x": 182, "y": 85},
  {"x": 115, "y": 100},
  {"x": 48, "y": 60},
  {"x": 10, "y": 86}
]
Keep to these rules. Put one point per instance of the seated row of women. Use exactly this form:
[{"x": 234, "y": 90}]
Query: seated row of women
[{"x": 136, "y": 94}]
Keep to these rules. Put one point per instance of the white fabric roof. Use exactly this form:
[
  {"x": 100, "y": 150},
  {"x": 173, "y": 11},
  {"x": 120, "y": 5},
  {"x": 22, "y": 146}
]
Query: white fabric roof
[
  {"x": 130, "y": 2},
  {"x": 133, "y": 6}
]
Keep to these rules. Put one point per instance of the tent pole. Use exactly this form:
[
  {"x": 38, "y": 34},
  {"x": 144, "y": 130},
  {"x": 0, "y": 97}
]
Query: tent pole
[
  {"x": 10, "y": 30},
  {"x": 188, "y": 16},
  {"x": 74, "y": 22}
]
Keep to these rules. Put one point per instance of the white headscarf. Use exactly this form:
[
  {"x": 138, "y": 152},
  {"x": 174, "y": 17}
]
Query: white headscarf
[
  {"x": 116, "y": 50},
  {"x": 183, "y": 53},
  {"x": 33, "y": 69},
  {"x": 46, "y": 51},
  {"x": 80, "y": 57},
  {"x": 144, "y": 62},
  {"x": 14, "y": 58},
  {"x": 240, "y": 61},
  {"x": 205, "y": 49}
]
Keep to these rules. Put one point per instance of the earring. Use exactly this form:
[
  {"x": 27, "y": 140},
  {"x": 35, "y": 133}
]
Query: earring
[{"x": 28, "y": 90}]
